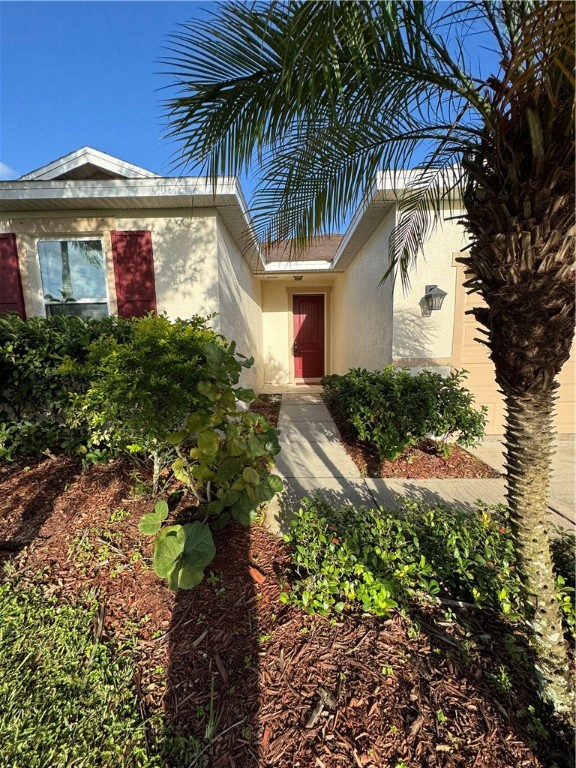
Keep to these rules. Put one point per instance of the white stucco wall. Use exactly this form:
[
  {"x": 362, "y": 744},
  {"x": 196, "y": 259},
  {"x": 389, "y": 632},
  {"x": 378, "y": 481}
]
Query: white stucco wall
[
  {"x": 363, "y": 309},
  {"x": 239, "y": 298},
  {"x": 418, "y": 338}
]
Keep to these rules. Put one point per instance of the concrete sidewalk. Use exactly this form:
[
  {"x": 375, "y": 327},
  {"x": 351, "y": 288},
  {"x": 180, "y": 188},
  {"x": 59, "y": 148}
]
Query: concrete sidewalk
[{"x": 314, "y": 459}]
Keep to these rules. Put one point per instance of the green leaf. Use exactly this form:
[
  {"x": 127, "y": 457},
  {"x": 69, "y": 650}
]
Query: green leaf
[
  {"x": 244, "y": 395},
  {"x": 150, "y": 524},
  {"x": 199, "y": 546},
  {"x": 167, "y": 550},
  {"x": 208, "y": 442},
  {"x": 188, "y": 576},
  {"x": 229, "y": 469},
  {"x": 251, "y": 476},
  {"x": 161, "y": 509},
  {"x": 276, "y": 483},
  {"x": 197, "y": 421},
  {"x": 209, "y": 390},
  {"x": 175, "y": 438}
]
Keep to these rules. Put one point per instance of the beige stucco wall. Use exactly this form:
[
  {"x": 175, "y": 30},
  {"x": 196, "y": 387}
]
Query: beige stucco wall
[
  {"x": 363, "y": 309},
  {"x": 185, "y": 260},
  {"x": 420, "y": 340},
  {"x": 239, "y": 298},
  {"x": 183, "y": 243}
]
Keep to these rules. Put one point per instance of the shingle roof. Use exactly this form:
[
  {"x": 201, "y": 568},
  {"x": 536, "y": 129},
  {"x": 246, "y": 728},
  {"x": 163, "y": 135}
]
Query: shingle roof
[{"x": 323, "y": 248}]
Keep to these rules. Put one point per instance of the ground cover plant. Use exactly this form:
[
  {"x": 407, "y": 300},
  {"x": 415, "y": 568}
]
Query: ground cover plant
[
  {"x": 66, "y": 697},
  {"x": 382, "y": 559},
  {"x": 392, "y": 409},
  {"x": 247, "y": 680}
]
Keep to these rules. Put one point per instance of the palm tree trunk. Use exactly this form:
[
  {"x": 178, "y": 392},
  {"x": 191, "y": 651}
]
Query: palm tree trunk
[{"x": 529, "y": 438}]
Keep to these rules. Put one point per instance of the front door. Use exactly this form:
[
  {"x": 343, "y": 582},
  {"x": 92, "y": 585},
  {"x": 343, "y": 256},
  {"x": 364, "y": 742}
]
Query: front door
[{"x": 309, "y": 336}]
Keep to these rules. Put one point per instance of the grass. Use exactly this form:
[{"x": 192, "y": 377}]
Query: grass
[{"x": 67, "y": 699}]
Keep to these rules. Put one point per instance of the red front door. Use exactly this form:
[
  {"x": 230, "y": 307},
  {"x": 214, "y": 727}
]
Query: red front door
[{"x": 309, "y": 336}]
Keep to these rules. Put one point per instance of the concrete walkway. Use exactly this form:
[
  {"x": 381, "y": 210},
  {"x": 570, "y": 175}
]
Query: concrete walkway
[{"x": 313, "y": 459}]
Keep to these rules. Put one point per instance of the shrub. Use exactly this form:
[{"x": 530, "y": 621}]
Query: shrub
[
  {"x": 380, "y": 559},
  {"x": 143, "y": 387},
  {"x": 224, "y": 457},
  {"x": 393, "y": 409},
  {"x": 42, "y": 363}
]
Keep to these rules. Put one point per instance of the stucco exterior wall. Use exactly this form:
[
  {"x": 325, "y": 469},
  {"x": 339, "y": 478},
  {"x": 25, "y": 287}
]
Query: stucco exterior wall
[
  {"x": 427, "y": 341},
  {"x": 185, "y": 260},
  {"x": 239, "y": 297},
  {"x": 184, "y": 247},
  {"x": 363, "y": 310}
]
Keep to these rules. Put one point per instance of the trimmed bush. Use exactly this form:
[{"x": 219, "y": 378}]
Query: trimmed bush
[{"x": 392, "y": 409}]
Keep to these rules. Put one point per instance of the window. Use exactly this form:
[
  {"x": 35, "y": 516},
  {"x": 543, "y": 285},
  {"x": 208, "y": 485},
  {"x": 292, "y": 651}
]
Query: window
[{"x": 73, "y": 277}]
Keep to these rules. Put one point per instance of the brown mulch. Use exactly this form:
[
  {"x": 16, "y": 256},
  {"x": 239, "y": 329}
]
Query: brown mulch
[
  {"x": 421, "y": 462},
  {"x": 269, "y": 406},
  {"x": 285, "y": 689}
]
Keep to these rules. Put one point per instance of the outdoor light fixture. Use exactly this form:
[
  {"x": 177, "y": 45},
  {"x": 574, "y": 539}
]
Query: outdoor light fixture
[
  {"x": 434, "y": 297},
  {"x": 298, "y": 277}
]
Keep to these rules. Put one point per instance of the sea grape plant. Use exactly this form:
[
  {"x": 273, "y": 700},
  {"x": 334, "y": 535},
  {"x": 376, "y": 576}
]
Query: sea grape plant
[{"x": 225, "y": 455}]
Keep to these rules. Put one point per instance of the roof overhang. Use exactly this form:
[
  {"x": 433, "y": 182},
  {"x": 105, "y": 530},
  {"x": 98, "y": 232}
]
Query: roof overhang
[{"x": 151, "y": 194}]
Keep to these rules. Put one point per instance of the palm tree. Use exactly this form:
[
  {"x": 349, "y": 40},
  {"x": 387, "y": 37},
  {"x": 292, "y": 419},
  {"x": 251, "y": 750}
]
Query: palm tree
[{"x": 319, "y": 96}]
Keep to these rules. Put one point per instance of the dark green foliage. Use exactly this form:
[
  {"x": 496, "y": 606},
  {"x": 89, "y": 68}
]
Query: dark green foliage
[
  {"x": 381, "y": 559},
  {"x": 66, "y": 698},
  {"x": 393, "y": 409},
  {"x": 42, "y": 364}
]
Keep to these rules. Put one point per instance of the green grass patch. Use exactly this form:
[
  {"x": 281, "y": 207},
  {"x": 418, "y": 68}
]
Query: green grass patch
[{"x": 67, "y": 699}]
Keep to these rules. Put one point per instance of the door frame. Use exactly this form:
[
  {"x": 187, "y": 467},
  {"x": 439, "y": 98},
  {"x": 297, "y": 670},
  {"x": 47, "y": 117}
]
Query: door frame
[{"x": 303, "y": 290}]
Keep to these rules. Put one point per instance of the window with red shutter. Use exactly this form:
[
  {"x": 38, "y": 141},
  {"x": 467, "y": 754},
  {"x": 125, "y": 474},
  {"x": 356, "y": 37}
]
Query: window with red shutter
[
  {"x": 134, "y": 273},
  {"x": 11, "y": 295}
]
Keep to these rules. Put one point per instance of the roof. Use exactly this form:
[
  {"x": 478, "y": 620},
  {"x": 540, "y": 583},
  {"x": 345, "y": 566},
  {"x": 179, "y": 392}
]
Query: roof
[
  {"x": 322, "y": 248},
  {"x": 88, "y": 163}
]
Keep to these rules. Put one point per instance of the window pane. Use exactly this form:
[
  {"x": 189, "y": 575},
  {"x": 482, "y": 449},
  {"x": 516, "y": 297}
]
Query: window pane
[{"x": 72, "y": 269}]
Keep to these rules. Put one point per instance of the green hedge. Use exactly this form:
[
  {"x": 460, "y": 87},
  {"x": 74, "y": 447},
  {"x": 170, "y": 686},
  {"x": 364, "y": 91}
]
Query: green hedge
[
  {"x": 393, "y": 409},
  {"x": 97, "y": 386}
]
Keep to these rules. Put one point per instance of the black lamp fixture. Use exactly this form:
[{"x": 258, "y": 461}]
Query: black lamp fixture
[{"x": 434, "y": 297}]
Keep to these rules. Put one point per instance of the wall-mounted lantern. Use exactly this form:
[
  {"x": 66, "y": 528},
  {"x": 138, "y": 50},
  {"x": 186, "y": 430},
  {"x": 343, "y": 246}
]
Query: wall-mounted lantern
[{"x": 434, "y": 297}]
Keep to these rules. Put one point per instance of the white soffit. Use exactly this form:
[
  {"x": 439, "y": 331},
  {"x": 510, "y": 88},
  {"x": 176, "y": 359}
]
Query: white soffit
[{"x": 84, "y": 163}]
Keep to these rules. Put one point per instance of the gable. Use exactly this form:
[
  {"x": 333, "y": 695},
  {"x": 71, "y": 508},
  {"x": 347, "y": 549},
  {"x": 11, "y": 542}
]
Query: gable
[{"x": 88, "y": 163}]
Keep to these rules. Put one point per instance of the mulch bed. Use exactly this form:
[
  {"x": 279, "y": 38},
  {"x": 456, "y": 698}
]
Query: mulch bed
[
  {"x": 269, "y": 406},
  {"x": 286, "y": 689},
  {"x": 421, "y": 462}
]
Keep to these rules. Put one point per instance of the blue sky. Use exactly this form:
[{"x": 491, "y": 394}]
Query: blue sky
[{"x": 85, "y": 73}]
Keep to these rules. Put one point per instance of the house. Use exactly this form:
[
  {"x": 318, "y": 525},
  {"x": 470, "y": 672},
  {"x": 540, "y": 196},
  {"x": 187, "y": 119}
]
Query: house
[{"x": 92, "y": 235}]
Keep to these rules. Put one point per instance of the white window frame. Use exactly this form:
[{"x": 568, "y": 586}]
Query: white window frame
[{"x": 72, "y": 238}]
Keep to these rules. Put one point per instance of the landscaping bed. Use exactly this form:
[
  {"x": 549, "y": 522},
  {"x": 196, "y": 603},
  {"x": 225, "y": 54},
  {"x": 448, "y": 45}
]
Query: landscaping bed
[
  {"x": 269, "y": 406},
  {"x": 421, "y": 462},
  {"x": 250, "y": 681}
]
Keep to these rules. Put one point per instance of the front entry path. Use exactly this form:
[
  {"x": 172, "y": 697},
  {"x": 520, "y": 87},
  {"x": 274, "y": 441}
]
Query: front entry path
[{"x": 313, "y": 459}]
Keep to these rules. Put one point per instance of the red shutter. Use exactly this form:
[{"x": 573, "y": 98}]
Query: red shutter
[
  {"x": 134, "y": 273},
  {"x": 11, "y": 296}
]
